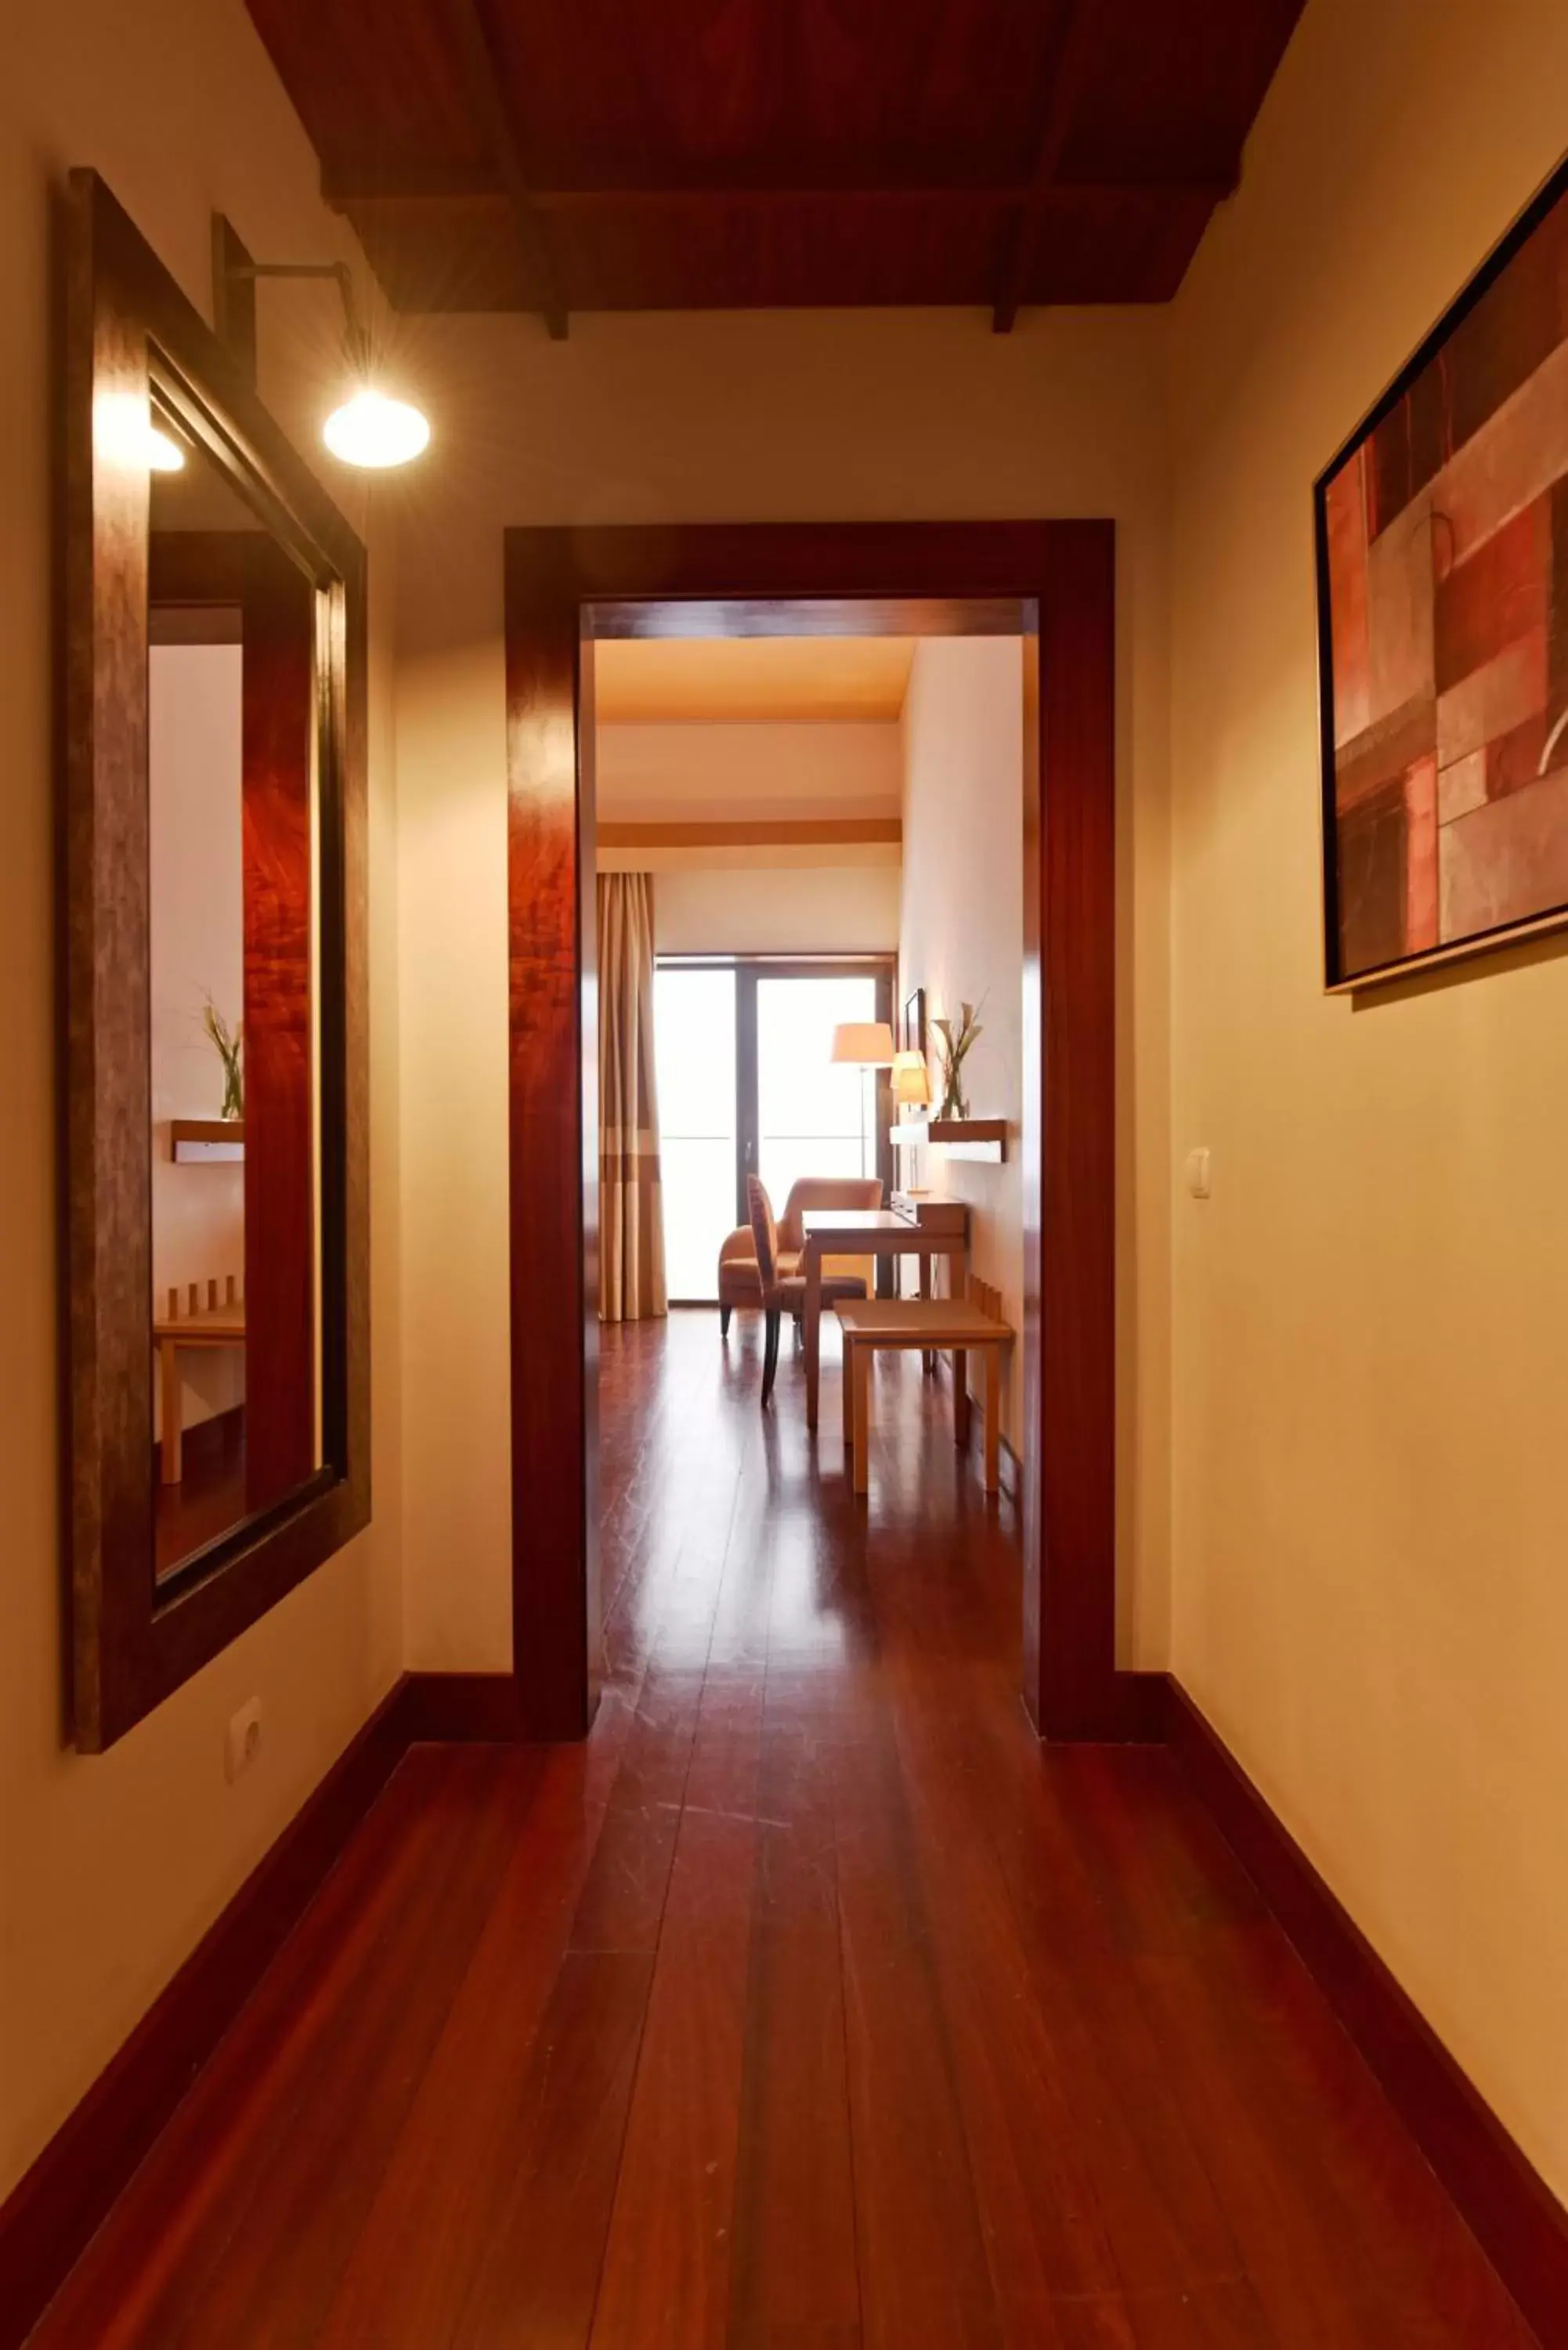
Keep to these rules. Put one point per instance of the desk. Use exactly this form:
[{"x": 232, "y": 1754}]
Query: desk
[{"x": 869, "y": 1231}]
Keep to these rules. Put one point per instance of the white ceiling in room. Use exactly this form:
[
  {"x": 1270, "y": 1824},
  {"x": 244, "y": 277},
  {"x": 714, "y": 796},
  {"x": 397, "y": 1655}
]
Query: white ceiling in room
[{"x": 756, "y": 680}]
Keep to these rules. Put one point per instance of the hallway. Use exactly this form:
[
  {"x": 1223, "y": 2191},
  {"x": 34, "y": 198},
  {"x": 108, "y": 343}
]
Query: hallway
[{"x": 810, "y": 2005}]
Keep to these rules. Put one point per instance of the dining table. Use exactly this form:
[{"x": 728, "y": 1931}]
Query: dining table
[{"x": 869, "y": 1231}]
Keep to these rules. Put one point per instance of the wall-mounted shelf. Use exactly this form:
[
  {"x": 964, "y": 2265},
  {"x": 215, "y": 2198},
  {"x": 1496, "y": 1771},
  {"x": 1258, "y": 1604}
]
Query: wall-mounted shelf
[
  {"x": 193, "y": 1139},
  {"x": 960, "y": 1138}
]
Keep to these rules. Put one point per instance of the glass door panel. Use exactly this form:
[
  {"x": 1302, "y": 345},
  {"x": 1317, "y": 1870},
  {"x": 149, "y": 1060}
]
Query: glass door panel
[
  {"x": 815, "y": 1117},
  {"x": 694, "y": 1054}
]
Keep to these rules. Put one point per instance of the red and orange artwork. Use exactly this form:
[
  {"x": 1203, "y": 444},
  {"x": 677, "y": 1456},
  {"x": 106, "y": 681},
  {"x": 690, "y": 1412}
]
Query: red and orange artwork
[{"x": 1443, "y": 554}]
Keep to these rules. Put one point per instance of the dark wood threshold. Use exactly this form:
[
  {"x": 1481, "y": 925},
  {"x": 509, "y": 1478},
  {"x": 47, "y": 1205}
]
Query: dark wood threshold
[{"x": 1512, "y": 2212}]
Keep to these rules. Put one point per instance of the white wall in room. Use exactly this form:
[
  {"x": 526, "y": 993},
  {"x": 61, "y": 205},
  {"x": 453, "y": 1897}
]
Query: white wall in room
[
  {"x": 691, "y": 772},
  {"x": 1370, "y": 1598},
  {"x": 801, "y": 897},
  {"x": 961, "y": 933},
  {"x": 197, "y": 949},
  {"x": 113, "y": 1865},
  {"x": 778, "y": 909}
]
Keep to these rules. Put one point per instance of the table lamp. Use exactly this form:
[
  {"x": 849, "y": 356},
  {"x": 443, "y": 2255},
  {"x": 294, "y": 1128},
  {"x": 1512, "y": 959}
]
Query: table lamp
[{"x": 911, "y": 1078}]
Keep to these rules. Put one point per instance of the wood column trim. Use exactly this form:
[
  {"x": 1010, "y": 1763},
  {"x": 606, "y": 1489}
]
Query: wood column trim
[
  {"x": 277, "y": 698},
  {"x": 554, "y": 1128},
  {"x": 1070, "y": 1685}
]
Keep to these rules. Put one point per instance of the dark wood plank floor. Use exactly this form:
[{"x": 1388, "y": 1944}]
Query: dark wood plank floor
[{"x": 810, "y": 2006}]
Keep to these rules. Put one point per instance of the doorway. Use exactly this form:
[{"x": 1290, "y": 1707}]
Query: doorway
[{"x": 1053, "y": 585}]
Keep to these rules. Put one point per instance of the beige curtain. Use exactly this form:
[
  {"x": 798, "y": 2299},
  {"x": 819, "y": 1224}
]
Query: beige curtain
[{"x": 631, "y": 1202}]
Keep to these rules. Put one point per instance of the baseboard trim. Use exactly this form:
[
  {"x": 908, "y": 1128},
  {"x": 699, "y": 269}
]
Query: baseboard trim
[
  {"x": 47, "y": 2221},
  {"x": 1508, "y": 2206}
]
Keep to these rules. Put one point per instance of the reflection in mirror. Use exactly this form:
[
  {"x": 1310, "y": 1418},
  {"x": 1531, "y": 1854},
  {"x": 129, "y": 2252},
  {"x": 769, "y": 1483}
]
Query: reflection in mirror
[{"x": 234, "y": 1007}]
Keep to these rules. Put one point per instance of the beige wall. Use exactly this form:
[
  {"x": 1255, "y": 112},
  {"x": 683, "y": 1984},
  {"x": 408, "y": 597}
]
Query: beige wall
[
  {"x": 111, "y": 1865},
  {"x": 748, "y": 417},
  {"x": 1371, "y": 1599},
  {"x": 961, "y": 933}
]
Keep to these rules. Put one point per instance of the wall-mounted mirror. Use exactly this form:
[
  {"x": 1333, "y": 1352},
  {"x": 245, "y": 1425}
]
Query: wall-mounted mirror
[{"x": 215, "y": 1024}]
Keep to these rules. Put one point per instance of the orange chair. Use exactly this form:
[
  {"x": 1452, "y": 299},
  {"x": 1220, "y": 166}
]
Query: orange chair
[
  {"x": 784, "y": 1293},
  {"x": 739, "y": 1284}
]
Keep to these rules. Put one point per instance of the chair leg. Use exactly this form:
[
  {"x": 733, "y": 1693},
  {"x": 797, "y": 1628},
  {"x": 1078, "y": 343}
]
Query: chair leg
[
  {"x": 770, "y": 1357},
  {"x": 725, "y": 1312}
]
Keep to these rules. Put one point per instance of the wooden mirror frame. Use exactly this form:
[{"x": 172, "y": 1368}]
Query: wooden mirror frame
[{"x": 126, "y": 323}]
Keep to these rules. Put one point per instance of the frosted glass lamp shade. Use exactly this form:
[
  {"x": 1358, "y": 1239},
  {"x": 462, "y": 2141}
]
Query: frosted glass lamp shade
[
  {"x": 911, "y": 1079},
  {"x": 863, "y": 1043}
]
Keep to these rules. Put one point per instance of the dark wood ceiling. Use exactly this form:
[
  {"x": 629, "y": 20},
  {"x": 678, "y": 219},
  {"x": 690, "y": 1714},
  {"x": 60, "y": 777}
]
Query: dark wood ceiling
[{"x": 560, "y": 155}]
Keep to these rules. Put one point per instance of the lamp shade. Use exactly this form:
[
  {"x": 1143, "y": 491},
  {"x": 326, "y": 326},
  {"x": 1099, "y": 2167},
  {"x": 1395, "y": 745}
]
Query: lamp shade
[
  {"x": 865, "y": 1044},
  {"x": 911, "y": 1079}
]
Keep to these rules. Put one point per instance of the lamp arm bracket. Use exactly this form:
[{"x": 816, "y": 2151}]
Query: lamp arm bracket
[{"x": 339, "y": 271}]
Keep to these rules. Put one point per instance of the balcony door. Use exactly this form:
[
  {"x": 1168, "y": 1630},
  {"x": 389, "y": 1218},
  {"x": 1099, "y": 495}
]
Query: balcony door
[{"x": 747, "y": 1083}]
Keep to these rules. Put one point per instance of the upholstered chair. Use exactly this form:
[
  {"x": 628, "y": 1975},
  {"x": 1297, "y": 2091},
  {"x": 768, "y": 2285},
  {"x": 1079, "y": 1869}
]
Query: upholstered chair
[
  {"x": 739, "y": 1283},
  {"x": 784, "y": 1293}
]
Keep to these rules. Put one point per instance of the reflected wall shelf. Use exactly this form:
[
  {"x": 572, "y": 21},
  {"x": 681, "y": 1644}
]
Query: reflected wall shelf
[
  {"x": 192, "y": 1139},
  {"x": 960, "y": 1138}
]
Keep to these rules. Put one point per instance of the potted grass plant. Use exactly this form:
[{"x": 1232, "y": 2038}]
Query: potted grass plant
[
  {"x": 228, "y": 1044},
  {"x": 955, "y": 1040}
]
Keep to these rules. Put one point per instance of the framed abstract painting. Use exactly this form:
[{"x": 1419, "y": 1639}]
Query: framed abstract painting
[{"x": 1442, "y": 564}]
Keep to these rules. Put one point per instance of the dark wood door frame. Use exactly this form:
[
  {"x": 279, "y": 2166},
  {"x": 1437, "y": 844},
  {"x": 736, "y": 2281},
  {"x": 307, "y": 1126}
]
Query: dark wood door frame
[{"x": 1054, "y": 584}]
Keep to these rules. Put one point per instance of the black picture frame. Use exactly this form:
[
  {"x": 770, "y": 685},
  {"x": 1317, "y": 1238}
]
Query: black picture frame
[
  {"x": 1338, "y": 978},
  {"x": 914, "y": 1040}
]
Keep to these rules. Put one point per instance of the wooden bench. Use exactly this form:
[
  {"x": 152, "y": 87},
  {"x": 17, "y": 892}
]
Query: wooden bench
[
  {"x": 930, "y": 1326},
  {"x": 220, "y": 1322}
]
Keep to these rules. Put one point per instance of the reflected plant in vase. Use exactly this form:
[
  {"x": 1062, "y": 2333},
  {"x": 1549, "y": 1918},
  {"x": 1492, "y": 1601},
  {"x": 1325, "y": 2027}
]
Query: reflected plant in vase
[
  {"x": 955, "y": 1040},
  {"x": 228, "y": 1044}
]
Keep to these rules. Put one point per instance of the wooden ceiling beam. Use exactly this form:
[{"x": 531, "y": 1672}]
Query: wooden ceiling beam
[
  {"x": 1062, "y": 95},
  {"x": 358, "y": 193},
  {"x": 488, "y": 99}
]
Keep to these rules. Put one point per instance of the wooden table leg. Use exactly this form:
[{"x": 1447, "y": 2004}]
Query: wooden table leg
[
  {"x": 927, "y": 1360},
  {"x": 848, "y": 1384},
  {"x": 862, "y": 1356},
  {"x": 172, "y": 1466},
  {"x": 961, "y": 1397},
  {"x": 993, "y": 1417},
  {"x": 812, "y": 1321}
]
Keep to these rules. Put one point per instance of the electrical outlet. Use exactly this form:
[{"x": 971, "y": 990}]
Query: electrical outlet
[{"x": 243, "y": 1741}]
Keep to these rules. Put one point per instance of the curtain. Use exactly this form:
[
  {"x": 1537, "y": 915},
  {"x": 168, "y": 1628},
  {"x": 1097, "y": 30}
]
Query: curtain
[{"x": 631, "y": 1201}]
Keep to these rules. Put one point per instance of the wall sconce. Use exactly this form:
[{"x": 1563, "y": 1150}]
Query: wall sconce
[{"x": 368, "y": 428}]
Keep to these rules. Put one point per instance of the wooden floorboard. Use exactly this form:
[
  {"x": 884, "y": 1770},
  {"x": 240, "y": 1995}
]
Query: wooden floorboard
[{"x": 809, "y": 2005}]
